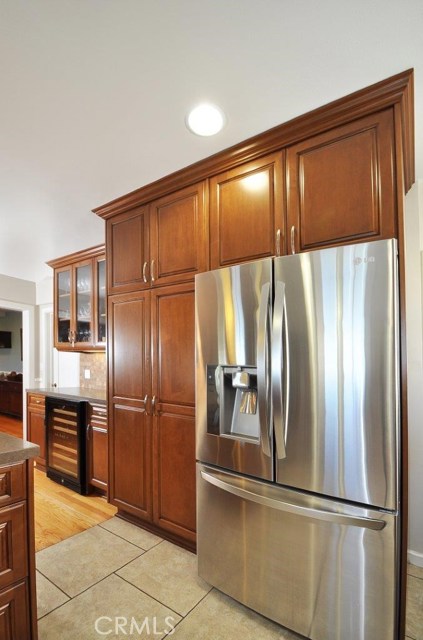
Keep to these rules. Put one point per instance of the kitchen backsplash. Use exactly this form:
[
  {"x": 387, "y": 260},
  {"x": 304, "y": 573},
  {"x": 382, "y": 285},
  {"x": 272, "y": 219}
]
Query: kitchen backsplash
[{"x": 96, "y": 364}]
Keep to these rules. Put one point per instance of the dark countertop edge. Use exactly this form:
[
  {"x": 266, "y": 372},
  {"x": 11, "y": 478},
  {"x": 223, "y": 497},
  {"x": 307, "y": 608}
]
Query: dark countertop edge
[
  {"x": 73, "y": 393},
  {"x": 16, "y": 450}
]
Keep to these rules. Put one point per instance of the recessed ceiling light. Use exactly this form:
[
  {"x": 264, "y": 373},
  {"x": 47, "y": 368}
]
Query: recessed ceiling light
[{"x": 205, "y": 120}]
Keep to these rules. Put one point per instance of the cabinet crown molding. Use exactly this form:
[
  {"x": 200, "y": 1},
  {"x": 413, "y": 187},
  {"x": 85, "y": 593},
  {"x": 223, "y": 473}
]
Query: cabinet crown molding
[
  {"x": 396, "y": 92},
  {"x": 91, "y": 252}
]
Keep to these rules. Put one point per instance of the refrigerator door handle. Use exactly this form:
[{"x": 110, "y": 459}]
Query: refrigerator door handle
[
  {"x": 295, "y": 509},
  {"x": 278, "y": 365},
  {"x": 263, "y": 368}
]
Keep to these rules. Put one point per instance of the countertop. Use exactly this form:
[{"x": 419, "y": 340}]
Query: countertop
[
  {"x": 16, "y": 450},
  {"x": 73, "y": 393}
]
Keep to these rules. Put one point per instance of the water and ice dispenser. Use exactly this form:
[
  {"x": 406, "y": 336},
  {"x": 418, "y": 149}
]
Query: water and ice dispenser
[{"x": 232, "y": 402}]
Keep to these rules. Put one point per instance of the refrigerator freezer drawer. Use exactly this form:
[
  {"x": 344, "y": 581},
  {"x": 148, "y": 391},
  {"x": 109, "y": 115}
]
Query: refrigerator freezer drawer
[{"x": 322, "y": 568}]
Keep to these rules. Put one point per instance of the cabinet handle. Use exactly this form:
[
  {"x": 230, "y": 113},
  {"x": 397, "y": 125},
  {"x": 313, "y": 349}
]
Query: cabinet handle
[
  {"x": 278, "y": 242},
  {"x": 144, "y": 272},
  {"x": 153, "y": 406},
  {"x": 71, "y": 337},
  {"x": 88, "y": 431},
  {"x": 145, "y": 404},
  {"x": 293, "y": 239},
  {"x": 153, "y": 264}
]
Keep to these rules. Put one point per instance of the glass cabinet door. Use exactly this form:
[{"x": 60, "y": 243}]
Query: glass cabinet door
[
  {"x": 83, "y": 305},
  {"x": 101, "y": 301},
  {"x": 64, "y": 308},
  {"x": 80, "y": 301}
]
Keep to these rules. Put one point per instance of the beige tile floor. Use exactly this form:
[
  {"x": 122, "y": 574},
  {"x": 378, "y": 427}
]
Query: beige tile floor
[{"x": 116, "y": 580}]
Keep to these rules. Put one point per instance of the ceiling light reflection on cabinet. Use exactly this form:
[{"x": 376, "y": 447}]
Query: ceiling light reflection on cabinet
[{"x": 256, "y": 181}]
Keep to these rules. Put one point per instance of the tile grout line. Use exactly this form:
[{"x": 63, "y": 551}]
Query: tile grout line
[
  {"x": 182, "y": 616},
  {"x": 91, "y": 585},
  {"x": 54, "y": 585},
  {"x": 126, "y": 540}
]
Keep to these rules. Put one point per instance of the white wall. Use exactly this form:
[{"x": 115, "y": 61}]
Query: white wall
[
  {"x": 11, "y": 359},
  {"x": 414, "y": 326},
  {"x": 17, "y": 290}
]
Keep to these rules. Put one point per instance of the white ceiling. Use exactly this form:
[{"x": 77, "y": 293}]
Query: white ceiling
[{"x": 94, "y": 94}]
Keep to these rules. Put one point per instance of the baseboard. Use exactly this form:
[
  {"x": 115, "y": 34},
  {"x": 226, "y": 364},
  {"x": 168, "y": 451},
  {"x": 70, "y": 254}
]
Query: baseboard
[{"x": 415, "y": 558}]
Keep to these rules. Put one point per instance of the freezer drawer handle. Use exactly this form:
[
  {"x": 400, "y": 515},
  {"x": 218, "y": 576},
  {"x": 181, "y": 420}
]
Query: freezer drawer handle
[
  {"x": 308, "y": 512},
  {"x": 262, "y": 368}
]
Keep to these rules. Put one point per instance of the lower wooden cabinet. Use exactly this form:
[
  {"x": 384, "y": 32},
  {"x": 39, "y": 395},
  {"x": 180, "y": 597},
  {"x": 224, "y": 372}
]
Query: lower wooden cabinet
[
  {"x": 152, "y": 399},
  {"x": 18, "y": 607},
  {"x": 14, "y": 612},
  {"x": 36, "y": 425},
  {"x": 97, "y": 449}
]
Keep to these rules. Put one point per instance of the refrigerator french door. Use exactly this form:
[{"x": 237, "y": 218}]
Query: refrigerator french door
[{"x": 298, "y": 439}]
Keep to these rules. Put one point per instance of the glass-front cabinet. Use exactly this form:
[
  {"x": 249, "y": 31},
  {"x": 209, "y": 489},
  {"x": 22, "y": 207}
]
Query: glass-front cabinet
[{"x": 80, "y": 300}]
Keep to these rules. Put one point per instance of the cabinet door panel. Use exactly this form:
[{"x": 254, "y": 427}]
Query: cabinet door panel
[
  {"x": 98, "y": 458},
  {"x": 179, "y": 235},
  {"x": 130, "y": 461},
  {"x": 341, "y": 184},
  {"x": 63, "y": 287},
  {"x": 173, "y": 338},
  {"x": 13, "y": 559},
  {"x": 246, "y": 211},
  {"x": 37, "y": 433},
  {"x": 174, "y": 473},
  {"x": 127, "y": 250},
  {"x": 14, "y": 613},
  {"x": 129, "y": 348}
]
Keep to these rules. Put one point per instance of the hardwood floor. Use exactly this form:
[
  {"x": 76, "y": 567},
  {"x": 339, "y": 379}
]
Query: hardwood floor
[
  {"x": 59, "y": 512},
  {"x": 10, "y": 425}
]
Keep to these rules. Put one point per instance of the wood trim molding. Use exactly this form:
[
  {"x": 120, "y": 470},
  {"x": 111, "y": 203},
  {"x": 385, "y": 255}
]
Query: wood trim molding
[
  {"x": 64, "y": 261},
  {"x": 396, "y": 90}
]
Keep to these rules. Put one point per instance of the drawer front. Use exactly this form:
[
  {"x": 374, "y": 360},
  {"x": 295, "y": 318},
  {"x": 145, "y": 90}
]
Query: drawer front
[
  {"x": 98, "y": 415},
  {"x": 14, "y": 613},
  {"x": 36, "y": 401},
  {"x": 13, "y": 544},
  {"x": 12, "y": 483}
]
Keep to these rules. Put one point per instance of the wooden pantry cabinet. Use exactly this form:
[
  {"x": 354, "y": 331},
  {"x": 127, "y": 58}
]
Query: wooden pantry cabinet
[
  {"x": 163, "y": 242},
  {"x": 151, "y": 399},
  {"x": 80, "y": 300}
]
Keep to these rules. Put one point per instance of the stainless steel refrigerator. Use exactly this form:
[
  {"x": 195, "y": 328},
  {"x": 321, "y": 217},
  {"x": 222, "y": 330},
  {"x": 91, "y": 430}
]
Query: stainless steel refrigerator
[{"x": 298, "y": 439}]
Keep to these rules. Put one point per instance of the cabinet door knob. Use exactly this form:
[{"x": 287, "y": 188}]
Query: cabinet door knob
[{"x": 293, "y": 239}]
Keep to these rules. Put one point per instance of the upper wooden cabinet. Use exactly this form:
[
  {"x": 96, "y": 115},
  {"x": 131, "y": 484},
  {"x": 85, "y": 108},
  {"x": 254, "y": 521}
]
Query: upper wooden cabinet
[
  {"x": 246, "y": 212},
  {"x": 80, "y": 300},
  {"x": 160, "y": 243},
  {"x": 341, "y": 185}
]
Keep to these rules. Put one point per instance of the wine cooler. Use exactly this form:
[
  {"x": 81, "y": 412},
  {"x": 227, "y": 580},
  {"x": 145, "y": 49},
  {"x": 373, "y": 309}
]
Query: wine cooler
[{"x": 66, "y": 443}]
